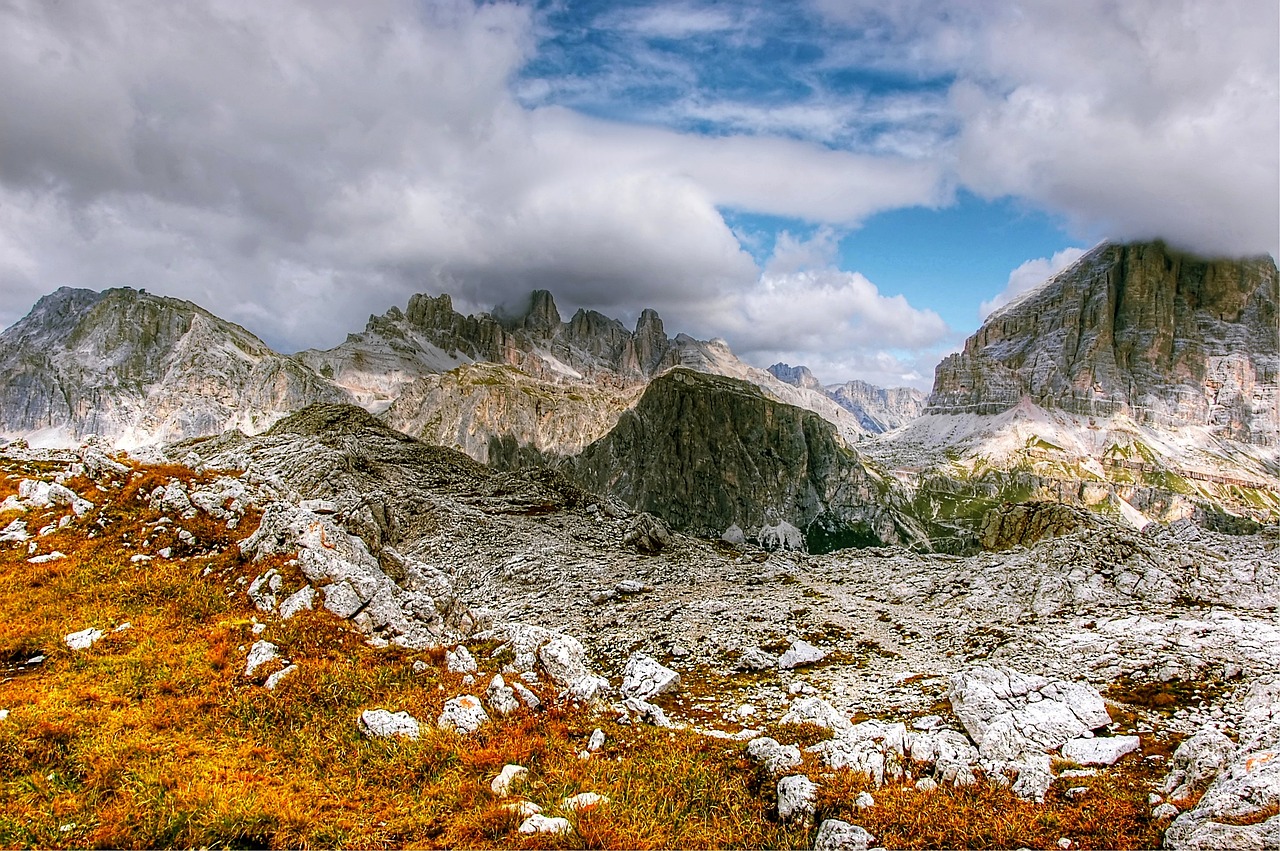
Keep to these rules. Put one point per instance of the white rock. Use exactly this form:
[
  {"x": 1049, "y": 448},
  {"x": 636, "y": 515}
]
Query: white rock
[
  {"x": 1102, "y": 750},
  {"x": 1197, "y": 759},
  {"x": 596, "y": 742},
  {"x": 815, "y": 710},
  {"x": 464, "y": 714},
  {"x": 836, "y": 835},
  {"x": 524, "y": 809},
  {"x": 856, "y": 754},
  {"x": 1008, "y": 713},
  {"x": 864, "y": 801},
  {"x": 586, "y": 689},
  {"x": 542, "y": 824},
  {"x": 509, "y": 776},
  {"x": 47, "y": 557},
  {"x": 755, "y": 659},
  {"x": 84, "y": 639},
  {"x": 734, "y": 535},
  {"x": 926, "y": 784},
  {"x": 784, "y": 536},
  {"x": 583, "y": 801},
  {"x": 4, "y": 715},
  {"x": 801, "y": 653},
  {"x": 797, "y": 798},
  {"x": 1035, "y": 775},
  {"x": 460, "y": 661},
  {"x": 647, "y": 712},
  {"x": 1164, "y": 811},
  {"x": 301, "y": 600},
  {"x": 381, "y": 724},
  {"x": 274, "y": 679},
  {"x": 260, "y": 654},
  {"x": 15, "y": 531},
  {"x": 774, "y": 756},
  {"x": 501, "y": 697},
  {"x": 645, "y": 677},
  {"x": 527, "y": 697}
]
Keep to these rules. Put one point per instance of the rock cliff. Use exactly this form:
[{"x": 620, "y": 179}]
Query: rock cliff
[
  {"x": 135, "y": 367},
  {"x": 706, "y": 452},
  {"x": 875, "y": 409},
  {"x": 1139, "y": 329}
]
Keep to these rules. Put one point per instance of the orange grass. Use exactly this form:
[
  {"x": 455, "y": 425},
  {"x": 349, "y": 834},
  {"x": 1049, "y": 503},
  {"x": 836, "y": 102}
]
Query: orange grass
[{"x": 153, "y": 737}]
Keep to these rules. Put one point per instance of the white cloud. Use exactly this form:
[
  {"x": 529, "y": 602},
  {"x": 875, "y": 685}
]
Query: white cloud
[{"x": 1028, "y": 276}]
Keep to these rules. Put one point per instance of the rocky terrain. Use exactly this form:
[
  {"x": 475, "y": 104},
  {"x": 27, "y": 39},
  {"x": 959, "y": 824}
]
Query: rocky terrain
[
  {"x": 877, "y": 409},
  {"x": 958, "y": 667}
]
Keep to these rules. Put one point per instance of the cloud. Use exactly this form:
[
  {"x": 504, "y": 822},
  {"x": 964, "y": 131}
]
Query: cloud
[
  {"x": 1028, "y": 276},
  {"x": 291, "y": 165}
]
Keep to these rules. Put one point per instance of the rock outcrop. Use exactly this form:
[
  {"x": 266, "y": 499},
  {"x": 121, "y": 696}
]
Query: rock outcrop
[
  {"x": 1138, "y": 329},
  {"x": 705, "y": 453},
  {"x": 876, "y": 409}
]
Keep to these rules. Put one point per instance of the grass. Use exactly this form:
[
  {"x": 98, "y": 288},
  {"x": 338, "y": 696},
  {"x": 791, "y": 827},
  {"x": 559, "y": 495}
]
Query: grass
[{"x": 154, "y": 738}]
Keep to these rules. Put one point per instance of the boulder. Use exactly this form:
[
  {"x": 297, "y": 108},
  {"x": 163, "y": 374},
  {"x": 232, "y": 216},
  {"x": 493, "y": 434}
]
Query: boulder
[
  {"x": 260, "y": 654},
  {"x": 463, "y": 714},
  {"x": 460, "y": 661},
  {"x": 801, "y": 653},
  {"x": 773, "y": 756},
  {"x": 84, "y": 639},
  {"x": 507, "y": 778},
  {"x": 645, "y": 677},
  {"x": 538, "y": 823},
  {"x": 501, "y": 697},
  {"x": 381, "y": 724},
  {"x": 815, "y": 710},
  {"x": 1100, "y": 750},
  {"x": 797, "y": 798},
  {"x": 836, "y": 835}
]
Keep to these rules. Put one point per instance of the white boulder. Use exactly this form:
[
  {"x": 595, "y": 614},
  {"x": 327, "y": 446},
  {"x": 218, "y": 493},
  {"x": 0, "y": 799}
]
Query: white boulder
[{"x": 645, "y": 677}]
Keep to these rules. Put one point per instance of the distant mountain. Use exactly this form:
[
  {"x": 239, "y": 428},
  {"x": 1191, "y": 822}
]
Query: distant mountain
[
  {"x": 876, "y": 409},
  {"x": 140, "y": 368}
]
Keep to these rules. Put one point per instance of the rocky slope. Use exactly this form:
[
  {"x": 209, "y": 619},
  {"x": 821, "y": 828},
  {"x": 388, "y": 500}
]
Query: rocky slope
[
  {"x": 707, "y": 453},
  {"x": 876, "y": 409},
  {"x": 1141, "y": 330},
  {"x": 137, "y": 368}
]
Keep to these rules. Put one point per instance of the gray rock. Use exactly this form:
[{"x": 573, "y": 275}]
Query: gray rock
[
  {"x": 1100, "y": 750},
  {"x": 800, "y": 653},
  {"x": 836, "y": 835},
  {"x": 864, "y": 801},
  {"x": 301, "y": 600},
  {"x": 507, "y": 778},
  {"x": 773, "y": 756},
  {"x": 527, "y": 697},
  {"x": 1199, "y": 758},
  {"x": 797, "y": 798},
  {"x": 460, "y": 661},
  {"x": 274, "y": 679},
  {"x": 646, "y": 712},
  {"x": 463, "y": 714},
  {"x": 260, "y": 654},
  {"x": 734, "y": 535},
  {"x": 596, "y": 742},
  {"x": 815, "y": 710},
  {"x": 1008, "y": 713},
  {"x": 781, "y": 536},
  {"x": 755, "y": 659},
  {"x": 381, "y": 724},
  {"x": 501, "y": 697},
  {"x": 646, "y": 677},
  {"x": 543, "y": 824}
]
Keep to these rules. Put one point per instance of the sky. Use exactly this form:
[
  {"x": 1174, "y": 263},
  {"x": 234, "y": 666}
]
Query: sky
[{"x": 846, "y": 184}]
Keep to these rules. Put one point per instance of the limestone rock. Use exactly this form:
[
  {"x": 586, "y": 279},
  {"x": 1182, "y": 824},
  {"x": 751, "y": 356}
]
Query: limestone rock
[
  {"x": 84, "y": 639},
  {"x": 815, "y": 710},
  {"x": 463, "y": 714},
  {"x": 773, "y": 756},
  {"x": 260, "y": 654},
  {"x": 583, "y": 801},
  {"x": 501, "y": 697},
  {"x": 801, "y": 653},
  {"x": 797, "y": 798},
  {"x": 543, "y": 824},
  {"x": 382, "y": 724},
  {"x": 1100, "y": 750},
  {"x": 1008, "y": 713},
  {"x": 274, "y": 679},
  {"x": 507, "y": 778},
  {"x": 646, "y": 677},
  {"x": 836, "y": 835},
  {"x": 460, "y": 661}
]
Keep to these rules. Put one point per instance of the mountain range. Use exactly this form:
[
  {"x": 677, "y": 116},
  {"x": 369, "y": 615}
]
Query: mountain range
[{"x": 1139, "y": 382}]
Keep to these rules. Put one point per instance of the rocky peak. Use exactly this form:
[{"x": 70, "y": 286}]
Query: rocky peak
[
  {"x": 1142, "y": 330},
  {"x": 799, "y": 376},
  {"x": 652, "y": 344}
]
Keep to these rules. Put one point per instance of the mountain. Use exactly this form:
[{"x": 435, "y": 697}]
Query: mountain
[
  {"x": 706, "y": 453},
  {"x": 876, "y": 409},
  {"x": 1139, "y": 382},
  {"x": 1141, "y": 330},
  {"x": 140, "y": 368}
]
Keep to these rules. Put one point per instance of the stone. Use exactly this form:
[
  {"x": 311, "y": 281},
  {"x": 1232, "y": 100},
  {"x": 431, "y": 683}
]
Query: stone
[
  {"x": 631, "y": 587},
  {"x": 382, "y": 724},
  {"x": 860, "y": 755},
  {"x": 47, "y": 557},
  {"x": 926, "y": 784},
  {"x": 542, "y": 824},
  {"x": 755, "y": 659},
  {"x": 646, "y": 677},
  {"x": 60, "y": 495},
  {"x": 1199, "y": 758},
  {"x": 837, "y": 835},
  {"x": 1008, "y": 713},
  {"x": 501, "y": 697},
  {"x": 647, "y": 712},
  {"x": 84, "y": 639},
  {"x": 1035, "y": 776},
  {"x": 583, "y": 801},
  {"x": 1102, "y": 750},
  {"x": 463, "y": 714},
  {"x": 526, "y": 696},
  {"x": 301, "y": 600},
  {"x": 507, "y": 778},
  {"x": 274, "y": 679},
  {"x": 772, "y": 755},
  {"x": 460, "y": 661},
  {"x": 797, "y": 799},
  {"x": 1164, "y": 812},
  {"x": 260, "y": 654},
  {"x": 647, "y": 533},
  {"x": 815, "y": 710},
  {"x": 781, "y": 536},
  {"x": 800, "y": 653},
  {"x": 734, "y": 535},
  {"x": 596, "y": 742},
  {"x": 864, "y": 801},
  {"x": 523, "y": 809}
]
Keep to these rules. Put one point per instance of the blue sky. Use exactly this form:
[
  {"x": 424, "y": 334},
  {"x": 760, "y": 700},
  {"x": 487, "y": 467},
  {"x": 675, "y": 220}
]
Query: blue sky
[{"x": 846, "y": 184}]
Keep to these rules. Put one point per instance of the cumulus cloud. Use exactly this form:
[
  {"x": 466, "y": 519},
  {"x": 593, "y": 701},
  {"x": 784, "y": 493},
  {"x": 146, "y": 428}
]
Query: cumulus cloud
[
  {"x": 292, "y": 165},
  {"x": 1028, "y": 276}
]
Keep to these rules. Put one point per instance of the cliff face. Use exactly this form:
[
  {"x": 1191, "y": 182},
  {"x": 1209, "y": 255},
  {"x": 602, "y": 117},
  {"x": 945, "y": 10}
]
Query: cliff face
[
  {"x": 706, "y": 452},
  {"x": 878, "y": 409},
  {"x": 1138, "y": 329},
  {"x": 135, "y": 367}
]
